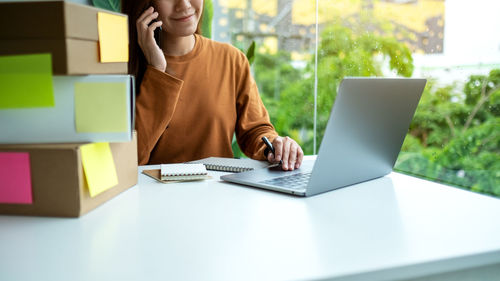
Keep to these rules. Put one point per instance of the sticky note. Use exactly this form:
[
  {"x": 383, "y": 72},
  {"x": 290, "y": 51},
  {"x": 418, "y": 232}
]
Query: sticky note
[
  {"x": 15, "y": 178},
  {"x": 101, "y": 107},
  {"x": 26, "y": 81},
  {"x": 113, "y": 37},
  {"x": 99, "y": 167}
]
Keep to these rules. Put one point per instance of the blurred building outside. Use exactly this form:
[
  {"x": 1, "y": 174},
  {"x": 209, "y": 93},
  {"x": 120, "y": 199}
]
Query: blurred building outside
[{"x": 450, "y": 40}]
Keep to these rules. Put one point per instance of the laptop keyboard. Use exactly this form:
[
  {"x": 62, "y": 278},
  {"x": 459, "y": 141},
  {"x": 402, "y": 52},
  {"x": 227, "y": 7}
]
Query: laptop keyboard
[{"x": 295, "y": 181}]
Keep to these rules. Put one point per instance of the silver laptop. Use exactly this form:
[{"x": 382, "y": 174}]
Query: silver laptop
[{"x": 363, "y": 137}]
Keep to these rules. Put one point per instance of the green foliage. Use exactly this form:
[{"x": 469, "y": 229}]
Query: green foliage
[
  {"x": 206, "y": 21},
  {"x": 237, "y": 153},
  {"x": 435, "y": 118},
  {"x": 274, "y": 73},
  {"x": 251, "y": 53},
  {"x": 342, "y": 52},
  {"x": 459, "y": 136},
  {"x": 112, "y": 5},
  {"x": 454, "y": 137}
]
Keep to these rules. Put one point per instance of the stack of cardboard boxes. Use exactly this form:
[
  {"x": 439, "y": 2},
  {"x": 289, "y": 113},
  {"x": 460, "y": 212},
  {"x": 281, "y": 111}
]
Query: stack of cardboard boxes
[{"x": 67, "y": 143}]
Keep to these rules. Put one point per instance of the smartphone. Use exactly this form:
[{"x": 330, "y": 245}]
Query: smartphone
[
  {"x": 158, "y": 37},
  {"x": 158, "y": 31}
]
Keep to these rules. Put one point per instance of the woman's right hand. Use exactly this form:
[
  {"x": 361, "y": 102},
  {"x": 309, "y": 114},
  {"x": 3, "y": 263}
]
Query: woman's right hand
[{"x": 145, "y": 37}]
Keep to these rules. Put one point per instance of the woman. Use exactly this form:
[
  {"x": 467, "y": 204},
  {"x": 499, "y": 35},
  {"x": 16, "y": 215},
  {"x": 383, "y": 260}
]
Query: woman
[{"x": 195, "y": 93}]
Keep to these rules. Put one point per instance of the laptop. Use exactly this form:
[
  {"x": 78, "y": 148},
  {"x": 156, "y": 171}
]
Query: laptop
[{"x": 366, "y": 129}]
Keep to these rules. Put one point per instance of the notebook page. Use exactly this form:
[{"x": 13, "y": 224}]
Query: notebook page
[
  {"x": 231, "y": 164},
  {"x": 173, "y": 170}
]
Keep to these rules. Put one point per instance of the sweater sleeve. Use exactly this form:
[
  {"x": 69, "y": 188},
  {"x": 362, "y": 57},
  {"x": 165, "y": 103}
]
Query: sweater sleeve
[
  {"x": 253, "y": 120},
  {"x": 155, "y": 106}
]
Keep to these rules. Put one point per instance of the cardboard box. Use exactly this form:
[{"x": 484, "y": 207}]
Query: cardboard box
[
  {"x": 58, "y": 182},
  {"x": 66, "y": 30},
  {"x": 59, "y": 124}
]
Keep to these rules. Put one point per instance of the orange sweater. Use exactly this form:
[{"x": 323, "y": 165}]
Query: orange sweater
[{"x": 192, "y": 111}]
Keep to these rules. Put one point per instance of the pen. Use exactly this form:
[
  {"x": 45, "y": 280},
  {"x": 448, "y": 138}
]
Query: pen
[{"x": 269, "y": 148}]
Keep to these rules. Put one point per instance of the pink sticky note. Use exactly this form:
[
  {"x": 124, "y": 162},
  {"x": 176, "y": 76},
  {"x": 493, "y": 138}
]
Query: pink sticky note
[{"x": 15, "y": 178}]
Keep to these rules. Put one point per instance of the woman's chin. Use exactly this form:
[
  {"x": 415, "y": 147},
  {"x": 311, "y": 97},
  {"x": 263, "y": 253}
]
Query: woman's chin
[{"x": 184, "y": 33}]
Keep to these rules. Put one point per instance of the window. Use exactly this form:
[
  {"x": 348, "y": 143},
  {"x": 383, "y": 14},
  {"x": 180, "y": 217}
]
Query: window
[
  {"x": 283, "y": 65},
  {"x": 454, "y": 137}
]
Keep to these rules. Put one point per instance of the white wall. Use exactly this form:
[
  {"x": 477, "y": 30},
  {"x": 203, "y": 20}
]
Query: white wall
[
  {"x": 471, "y": 42},
  {"x": 472, "y": 30}
]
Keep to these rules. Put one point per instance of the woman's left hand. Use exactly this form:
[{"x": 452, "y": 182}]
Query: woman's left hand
[{"x": 288, "y": 151}]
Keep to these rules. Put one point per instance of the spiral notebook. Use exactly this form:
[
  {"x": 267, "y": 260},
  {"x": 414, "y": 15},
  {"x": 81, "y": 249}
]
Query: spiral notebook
[
  {"x": 230, "y": 164},
  {"x": 156, "y": 174},
  {"x": 182, "y": 172}
]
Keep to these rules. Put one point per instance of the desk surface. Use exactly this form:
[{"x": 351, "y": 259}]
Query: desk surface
[{"x": 393, "y": 227}]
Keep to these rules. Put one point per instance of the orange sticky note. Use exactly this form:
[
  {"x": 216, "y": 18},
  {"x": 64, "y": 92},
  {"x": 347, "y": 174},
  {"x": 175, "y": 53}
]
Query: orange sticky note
[
  {"x": 15, "y": 178},
  {"x": 99, "y": 167},
  {"x": 113, "y": 37}
]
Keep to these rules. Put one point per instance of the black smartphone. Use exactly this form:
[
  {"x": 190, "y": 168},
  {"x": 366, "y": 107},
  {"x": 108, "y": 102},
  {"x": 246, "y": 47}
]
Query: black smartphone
[
  {"x": 158, "y": 36},
  {"x": 158, "y": 31}
]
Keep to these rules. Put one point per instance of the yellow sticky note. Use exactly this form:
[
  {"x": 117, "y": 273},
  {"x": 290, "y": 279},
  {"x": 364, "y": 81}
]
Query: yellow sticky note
[
  {"x": 113, "y": 37},
  {"x": 26, "y": 81},
  {"x": 99, "y": 167},
  {"x": 101, "y": 107}
]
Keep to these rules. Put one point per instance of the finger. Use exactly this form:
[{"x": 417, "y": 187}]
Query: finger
[
  {"x": 147, "y": 20},
  {"x": 286, "y": 152},
  {"x": 148, "y": 36},
  {"x": 300, "y": 156},
  {"x": 143, "y": 26},
  {"x": 144, "y": 14},
  {"x": 152, "y": 27},
  {"x": 293, "y": 155},
  {"x": 270, "y": 158},
  {"x": 278, "y": 146}
]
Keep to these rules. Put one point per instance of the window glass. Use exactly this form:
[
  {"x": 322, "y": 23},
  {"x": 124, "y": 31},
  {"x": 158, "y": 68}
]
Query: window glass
[
  {"x": 283, "y": 64},
  {"x": 454, "y": 137}
]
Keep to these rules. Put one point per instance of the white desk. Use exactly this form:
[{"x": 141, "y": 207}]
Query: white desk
[{"x": 395, "y": 227}]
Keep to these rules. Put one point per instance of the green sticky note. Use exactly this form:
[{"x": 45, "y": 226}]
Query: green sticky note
[
  {"x": 99, "y": 167},
  {"x": 101, "y": 107},
  {"x": 26, "y": 81}
]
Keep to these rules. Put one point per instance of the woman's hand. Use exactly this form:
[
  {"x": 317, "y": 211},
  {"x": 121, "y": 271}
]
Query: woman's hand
[
  {"x": 145, "y": 37},
  {"x": 288, "y": 151}
]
